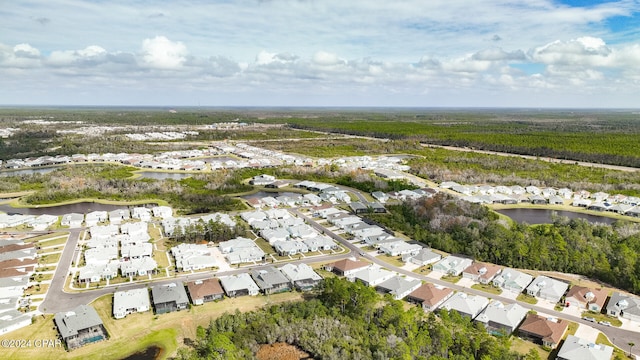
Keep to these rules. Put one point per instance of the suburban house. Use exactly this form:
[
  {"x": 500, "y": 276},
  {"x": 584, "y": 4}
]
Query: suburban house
[
  {"x": 545, "y": 331},
  {"x": 452, "y": 265},
  {"x": 547, "y": 288},
  {"x": 586, "y": 298},
  {"x": 465, "y": 304},
  {"x": 130, "y": 301},
  {"x": 241, "y": 250},
  {"x": 398, "y": 248},
  {"x": 301, "y": 276},
  {"x": 399, "y": 287},
  {"x": 625, "y": 306},
  {"x": 431, "y": 296},
  {"x": 190, "y": 257},
  {"x": 262, "y": 180},
  {"x": 163, "y": 212},
  {"x": 96, "y": 272},
  {"x": 239, "y": 285},
  {"x": 373, "y": 275},
  {"x": 80, "y": 326},
  {"x": 498, "y": 317},
  {"x": 346, "y": 267},
  {"x": 481, "y": 272},
  {"x": 12, "y": 319},
  {"x": 424, "y": 257},
  {"x": 270, "y": 280},
  {"x": 73, "y": 220},
  {"x": 575, "y": 348},
  {"x": 512, "y": 280},
  {"x": 118, "y": 216},
  {"x": 169, "y": 297},
  {"x": 202, "y": 291},
  {"x": 358, "y": 208},
  {"x": 143, "y": 266}
]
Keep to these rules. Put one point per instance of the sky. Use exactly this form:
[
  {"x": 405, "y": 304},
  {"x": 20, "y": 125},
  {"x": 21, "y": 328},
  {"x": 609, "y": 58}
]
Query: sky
[{"x": 343, "y": 53}]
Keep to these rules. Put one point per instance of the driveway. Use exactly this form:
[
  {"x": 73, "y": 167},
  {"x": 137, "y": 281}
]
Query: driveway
[{"x": 587, "y": 332}]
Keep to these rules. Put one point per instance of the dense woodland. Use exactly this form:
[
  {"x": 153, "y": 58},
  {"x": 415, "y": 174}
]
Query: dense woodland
[
  {"x": 347, "y": 320},
  {"x": 606, "y": 253}
]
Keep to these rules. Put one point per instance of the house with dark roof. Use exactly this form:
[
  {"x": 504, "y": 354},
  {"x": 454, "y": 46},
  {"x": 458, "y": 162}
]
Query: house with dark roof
[
  {"x": 169, "y": 297},
  {"x": 301, "y": 276},
  {"x": 346, "y": 267},
  {"x": 202, "y": 291},
  {"x": 430, "y": 296},
  {"x": 481, "y": 272},
  {"x": 80, "y": 326},
  {"x": 270, "y": 280},
  {"x": 541, "y": 330},
  {"x": 586, "y": 298}
]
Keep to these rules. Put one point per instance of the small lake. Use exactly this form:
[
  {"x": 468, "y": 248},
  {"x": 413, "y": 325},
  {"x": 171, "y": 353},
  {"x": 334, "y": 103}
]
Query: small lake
[
  {"x": 81, "y": 207},
  {"x": 543, "y": 216},
  {"x": 161, "y": 175},
  {"x": 21, "y": 172}
]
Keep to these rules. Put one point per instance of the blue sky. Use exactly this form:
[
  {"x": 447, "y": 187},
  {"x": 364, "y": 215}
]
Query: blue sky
[{"x": 450, "y": 53}]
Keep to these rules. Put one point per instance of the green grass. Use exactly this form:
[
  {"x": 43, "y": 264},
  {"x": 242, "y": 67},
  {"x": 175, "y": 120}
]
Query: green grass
[
  {"x": 602, "y": 317},
  {"x": 43, "y": 238},
  {"x": 49, "y": 258},
  {"x": 571, "y": 329},
  {"x": 392, "y": 260},
  {"x": 423, "y": 270},
  {"x": 487, "y": 288},
  {"x": 450, "y": 278},
  {"x": 264, "y": 245},
  {"x": 527, "y": 299},
  {"x": 522, "y": 347},
  {"x": 602, "y": 339},
  {"x": 47, "y": 243}
]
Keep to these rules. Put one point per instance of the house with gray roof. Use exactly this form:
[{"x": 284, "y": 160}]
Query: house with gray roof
[
  {"x": 270, "y": 280},
  {"x": 72, "y": 220},
  {"x": 512, "y": 280},
  {"x": 11, "y": 320},
  {"x": 399, "y": 287},
  {"x": 424, "y": 257},
  {"x": 130, "y": 301},
  {"x": 80, "y": 326},
  {"x": 498, "y": 317},
  {"x": 465, "y": 304},
  {"x": 169, "y": 297},
  {"x": 13, "y": 286},
  {"x": 301, "y": 276},
  {"x": 547, "y": 288},
  {"x": 575, "y": 348},
  {"x": 239, "y": 285},
  {"x": 625, "y": 306},
  {"x": 320, "y": 242},
  {"x": 452, "y": 265}
]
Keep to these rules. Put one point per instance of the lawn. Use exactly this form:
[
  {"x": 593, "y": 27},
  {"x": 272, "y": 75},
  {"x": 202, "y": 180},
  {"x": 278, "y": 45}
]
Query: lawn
[
  {"x": 602, "y": 339},
  {"x": 264, "y": 245},
  {"x": 423, "y": 270},
  {"x": 392, "y": 260},
  {"x": 450, "y": 278},
  {"x": 523, "y": 347},
  {"x": 527, "y": 299},
  {"x": 136, "y": 332},
  {"x": 37, "y": 289},
  {"x": 56, "y": 240},
  {"x": 49, "y": 258},
  {"x": 602, "y": 317},
  {"x": 160, "y": 256},
  {"x": 487, "y": 288},
  {"x": 47, "y": 237}
]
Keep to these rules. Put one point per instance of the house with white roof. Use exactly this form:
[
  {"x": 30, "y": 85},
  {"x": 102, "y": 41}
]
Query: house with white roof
[
  {"x": 192, "y": 257},
  {"x": 118, "y": 216},
  {"x": 141, "y": 213},
  {"x": 11, "y": 320},
  {"x": 290, "y": 247},
  {"x": 465, "y": 304},
  {"x": 100, "y": 256},
  {"x": 138, "y": 231},
  {"x": 373, "y": 275},
  {"x": 241, "y": 250},
  {"x": 512, "y": 280},
  {"x": 96, "y": 272},
  {"x": 239, "y": 285},
  {"x": 498, "y": 317},
  {"x": 163, "y": 212},
  {"x": 547, "y": 288},
  {"x": 320, "y": 242},
  {"x": 398, "y": 248},
  {"x": 136, "y": 250},
  {"x": 575, "y": 348},
  {"x": 301, "y": 276},
  {"x": 452, "y": 265},
  {"x": 42, "y": 222},
  {"x": 399, "y": 287},
  {"x": 424, "y": 257},
  {"x": 274, "y": 235},
  {"x": 302, "y": 231},
  {"x": 130, "y": 301},
  {"x": 138, "y": 267},
  {"x": 72, "y": 220}
]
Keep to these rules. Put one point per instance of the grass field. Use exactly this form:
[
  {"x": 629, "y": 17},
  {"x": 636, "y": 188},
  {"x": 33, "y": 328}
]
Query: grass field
[
  {"x": 523, "y": 347},
  {"x": 527, "y": 299},
  {"x": 487, "y": 288}
]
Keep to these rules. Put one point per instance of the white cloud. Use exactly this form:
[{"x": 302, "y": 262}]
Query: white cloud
[
  {"x": 26, "y": 51},
  {"x": 162, "y": 53}
]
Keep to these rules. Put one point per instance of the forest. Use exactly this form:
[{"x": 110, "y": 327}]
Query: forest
[
  {"x": 605, "y": 253},
  {"x": 345, "y": 320}
]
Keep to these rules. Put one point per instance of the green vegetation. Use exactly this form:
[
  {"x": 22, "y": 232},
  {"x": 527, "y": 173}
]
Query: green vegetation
[
  {"x": 487, "y": 288},
  {"x": 375, "y": 328},
  {"x": 606, "y": 253},
  {"x": 615, "y": 321}
]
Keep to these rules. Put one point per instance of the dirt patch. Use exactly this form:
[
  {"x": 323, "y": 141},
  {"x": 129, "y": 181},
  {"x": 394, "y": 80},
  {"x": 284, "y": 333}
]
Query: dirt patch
[{"x": 281, "y": 351}]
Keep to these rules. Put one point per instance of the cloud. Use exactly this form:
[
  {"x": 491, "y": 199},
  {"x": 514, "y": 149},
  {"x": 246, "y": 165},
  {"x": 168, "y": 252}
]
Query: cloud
[
  {"x": 26, "y": 51},
  {"x": 162, "y": 53},
  {"x": 497, "y": 54}
]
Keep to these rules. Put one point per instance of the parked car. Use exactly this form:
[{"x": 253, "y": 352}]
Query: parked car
[
  {"x": 590, "y": 319},
  {"x": 605, "y": 323}
]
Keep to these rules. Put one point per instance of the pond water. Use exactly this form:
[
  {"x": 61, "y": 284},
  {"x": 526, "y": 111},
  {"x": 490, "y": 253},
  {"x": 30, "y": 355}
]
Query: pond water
[
  {"x": 543, "y": 216},
  {"x": 81, "y": 207},
  {"x": 21, "y": 172},
  {"x": 160, "y": 175},
  {"x": 150, "y": 353}
]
